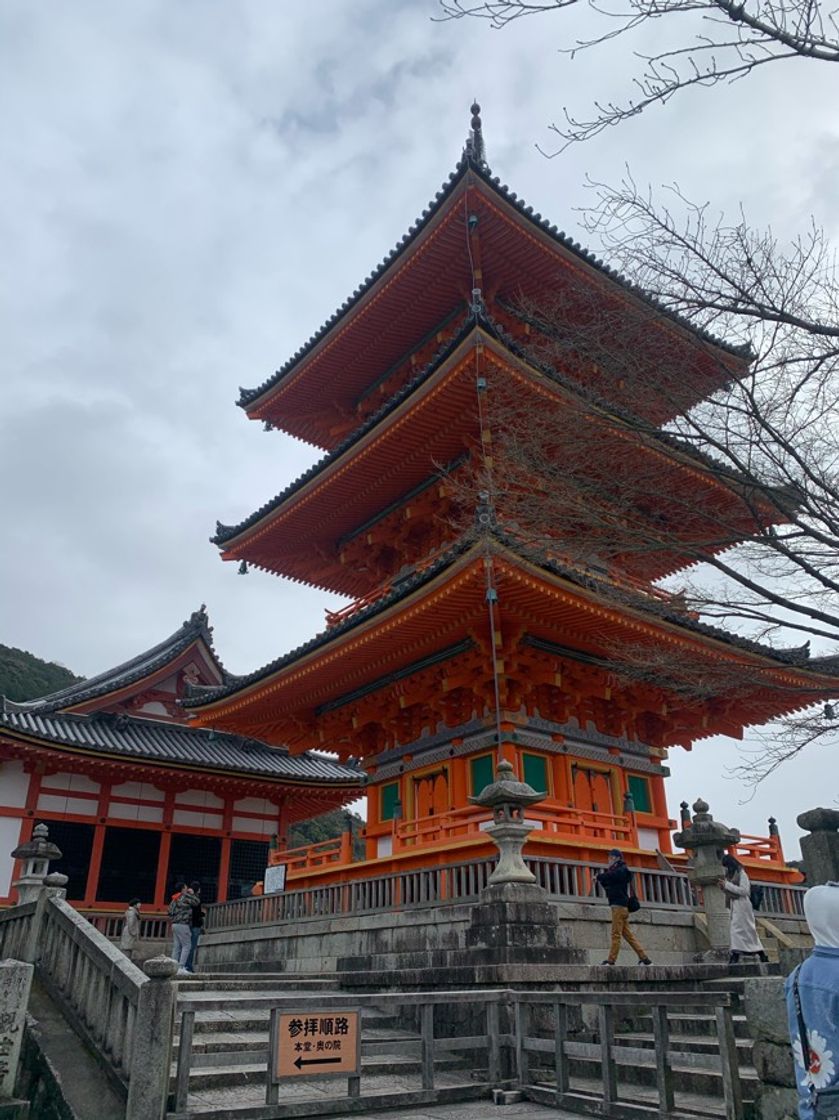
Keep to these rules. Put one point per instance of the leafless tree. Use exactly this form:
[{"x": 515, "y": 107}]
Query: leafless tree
[
  {"x": 725, "y": 41},
  {"x": 712, "y": 471}
]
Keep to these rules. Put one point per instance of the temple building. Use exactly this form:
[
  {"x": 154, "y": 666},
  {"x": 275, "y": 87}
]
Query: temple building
[
  {"x": 463, "y": 642},
  {"x": 136, "y": 799}
]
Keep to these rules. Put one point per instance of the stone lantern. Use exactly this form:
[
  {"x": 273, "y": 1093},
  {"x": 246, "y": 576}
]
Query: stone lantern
[
  {"x": 37, "y": 854},
  {"x": 707, "y": 840},
  {"x": 508, "y": 800}
]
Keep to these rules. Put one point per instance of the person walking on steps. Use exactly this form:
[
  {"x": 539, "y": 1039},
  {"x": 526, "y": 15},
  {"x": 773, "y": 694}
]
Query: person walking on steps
[
  {"x": 616, "y": 881},
  {"x": 738, "y": 890},
  {"x": 197, "y": 926},
  {"x": 129, "y": 938},
  {"x": 180, "y": 911}
]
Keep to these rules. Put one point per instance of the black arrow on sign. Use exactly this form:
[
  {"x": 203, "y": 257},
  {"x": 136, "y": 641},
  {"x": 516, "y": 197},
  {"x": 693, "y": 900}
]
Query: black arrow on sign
[{"x": 316, "y": 1062}]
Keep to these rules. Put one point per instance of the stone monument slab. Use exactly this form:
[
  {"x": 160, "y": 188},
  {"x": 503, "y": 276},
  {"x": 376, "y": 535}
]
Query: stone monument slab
[{"x": 15, "y": 982}]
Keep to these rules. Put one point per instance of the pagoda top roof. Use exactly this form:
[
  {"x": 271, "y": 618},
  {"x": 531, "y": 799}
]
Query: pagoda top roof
[
  {"x": 195, "y": 629},
  {"x": 472, "y": 163},
  {"x": 174, "y": 744},
  {"x": 797, "y": 658}
]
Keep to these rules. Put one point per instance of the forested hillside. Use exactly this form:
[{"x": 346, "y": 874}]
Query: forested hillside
[
  {"x": 25, "y": 677},
  {"x": 325, "y": 827}
]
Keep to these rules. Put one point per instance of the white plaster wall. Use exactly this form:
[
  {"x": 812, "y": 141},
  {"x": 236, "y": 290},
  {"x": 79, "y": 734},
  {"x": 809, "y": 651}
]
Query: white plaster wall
[
  {"x": 9, "y": 837},
  {"x": 154, "y": 708},
  {"x": 78, "y": 782},
  {"x": 249, "y": 824},
  {"x": 256, "y": 805},
  {"x": 51, "y": 803},
  {"x": 14, "y": 786},
  {"x": 199, "y": 797},
  {"x": 122, "y": 812},
  {"x": 142, "y": 790},
  {"x": 648, "y": 839},
  {"x": 197, "y": 820}
]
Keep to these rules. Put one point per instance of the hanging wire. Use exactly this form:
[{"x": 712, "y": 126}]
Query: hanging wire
[{"x": 491, "y": 591}]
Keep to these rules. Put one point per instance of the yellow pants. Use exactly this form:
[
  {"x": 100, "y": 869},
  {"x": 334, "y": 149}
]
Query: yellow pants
[{"x": 620, "y": 928}]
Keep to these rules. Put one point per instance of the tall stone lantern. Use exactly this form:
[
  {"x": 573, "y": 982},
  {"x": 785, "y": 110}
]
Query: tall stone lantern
[
  {"x": 508, "y": 800},
  {"x": 707, "y": 840},
  {"x": 37, "y": 854}
]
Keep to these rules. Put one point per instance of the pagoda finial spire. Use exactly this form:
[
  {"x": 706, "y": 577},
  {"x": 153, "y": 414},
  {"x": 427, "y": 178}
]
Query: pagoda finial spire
[{"x": 474, "y": 148}]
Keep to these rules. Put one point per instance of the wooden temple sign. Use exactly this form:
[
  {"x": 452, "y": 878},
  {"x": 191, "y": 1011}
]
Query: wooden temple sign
[{"x": 318, "y": 1044}]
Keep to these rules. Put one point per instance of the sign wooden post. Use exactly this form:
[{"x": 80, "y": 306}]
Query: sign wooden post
[{"x": 317, "y": 1044}]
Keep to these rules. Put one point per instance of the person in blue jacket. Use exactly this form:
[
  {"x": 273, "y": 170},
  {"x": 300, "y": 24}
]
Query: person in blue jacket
[{"x": 817, "y": 980}]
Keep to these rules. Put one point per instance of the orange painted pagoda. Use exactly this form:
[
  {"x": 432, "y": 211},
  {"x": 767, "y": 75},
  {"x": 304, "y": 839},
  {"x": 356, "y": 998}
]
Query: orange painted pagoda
[{"x": 462, "y": 643}]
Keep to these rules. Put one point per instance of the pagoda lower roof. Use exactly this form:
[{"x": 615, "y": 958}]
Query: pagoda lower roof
[
  {"x": 422, "y": 282},
  {"x": 429, "y": 421},
  {"x": 149, "y": 663},
  {"x": 425, "y": 612},
  {"x": 176, "y": 745}
]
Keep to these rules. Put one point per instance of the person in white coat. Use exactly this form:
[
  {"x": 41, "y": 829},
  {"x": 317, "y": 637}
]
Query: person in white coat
[
  {"x": 129, "y": 939},
  {"x": 738, "y": 889}
]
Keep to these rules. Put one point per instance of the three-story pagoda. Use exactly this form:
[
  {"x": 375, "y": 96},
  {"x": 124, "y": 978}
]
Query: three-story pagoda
[{"x": 463, "y": 642}]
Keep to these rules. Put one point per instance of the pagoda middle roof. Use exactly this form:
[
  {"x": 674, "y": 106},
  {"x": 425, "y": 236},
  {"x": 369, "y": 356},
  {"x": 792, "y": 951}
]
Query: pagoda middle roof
[
  {"x": 449, "y": 442},
  {"x": 387, "y": 345}
]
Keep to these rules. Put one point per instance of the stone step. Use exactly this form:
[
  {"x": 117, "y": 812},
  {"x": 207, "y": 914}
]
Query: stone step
[
  {"x": 689, "y": 1044},
  {"x": 227, "y": 1076},
  {"x": 688, "y": 1104},
  {"x": 691, "y": 1078},
  {"x": 697, "y": 1023}
]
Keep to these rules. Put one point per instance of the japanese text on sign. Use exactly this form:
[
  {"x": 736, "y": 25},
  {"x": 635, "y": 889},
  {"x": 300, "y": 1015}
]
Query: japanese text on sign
[{"x": 316, "y": 1043}]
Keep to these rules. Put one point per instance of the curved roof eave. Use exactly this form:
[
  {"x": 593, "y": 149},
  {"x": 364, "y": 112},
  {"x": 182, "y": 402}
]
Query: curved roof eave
[{"x": 249, "y": 397}]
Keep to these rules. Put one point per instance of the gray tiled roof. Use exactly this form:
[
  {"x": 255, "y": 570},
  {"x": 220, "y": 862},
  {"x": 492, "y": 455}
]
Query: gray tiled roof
[
  {"x": 466, "y": 164},
  {"x": 176, "y": 745},
  {"x": 135, "y": 669}
]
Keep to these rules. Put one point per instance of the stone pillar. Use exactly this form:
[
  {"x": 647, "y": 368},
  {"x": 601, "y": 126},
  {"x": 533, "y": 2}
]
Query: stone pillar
[
  {"x": 37, "y": 854},
  {"x": 820, "y": 850},
  {"x": 514, "y": 923},
  {"x": 766, "y": 1014},
  {"x": 151, "y": 1056},
  {"x": 15, "y": 982},
  {"x": 707, "y": 840}
]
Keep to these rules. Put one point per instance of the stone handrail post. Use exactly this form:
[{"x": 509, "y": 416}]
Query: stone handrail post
[{"x": 151, "y": 1058}]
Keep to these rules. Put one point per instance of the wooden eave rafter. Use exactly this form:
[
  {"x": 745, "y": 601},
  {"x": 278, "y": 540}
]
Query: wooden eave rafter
[
  {"x": 299, "y": 538},
  {"x": 519, "y": 258},
  {"x": 452, "y": 604}
]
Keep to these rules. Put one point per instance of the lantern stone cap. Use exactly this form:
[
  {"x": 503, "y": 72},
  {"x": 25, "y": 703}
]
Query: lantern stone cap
[
  {"x": 703, "y": 831},
  {"x": 505, "y": 790},
  {"x": 39, "y": 847},
  {"x": 819, "y": 820}
]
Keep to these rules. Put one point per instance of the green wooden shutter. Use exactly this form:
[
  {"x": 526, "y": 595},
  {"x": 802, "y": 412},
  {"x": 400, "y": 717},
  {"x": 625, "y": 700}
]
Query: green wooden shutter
[
  {"x": 640, "y": 790},
  {"x": 481, "y": 773}
]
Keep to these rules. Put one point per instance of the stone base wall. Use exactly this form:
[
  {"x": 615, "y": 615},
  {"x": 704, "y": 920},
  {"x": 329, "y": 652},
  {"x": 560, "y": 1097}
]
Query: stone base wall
[{"x": 436, "y": 937}]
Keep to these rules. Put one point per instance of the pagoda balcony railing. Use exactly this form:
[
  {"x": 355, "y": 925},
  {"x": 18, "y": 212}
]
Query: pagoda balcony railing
[
  {"x": 462, "y": 883},
  {"x": 547, "y": 817}
]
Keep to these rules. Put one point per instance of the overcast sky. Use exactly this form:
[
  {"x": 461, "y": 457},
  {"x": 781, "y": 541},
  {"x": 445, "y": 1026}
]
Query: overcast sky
[{"x": 188, "y": 189}]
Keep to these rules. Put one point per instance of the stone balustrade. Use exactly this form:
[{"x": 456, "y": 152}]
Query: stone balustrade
[{"x": 126, "y": 1016}]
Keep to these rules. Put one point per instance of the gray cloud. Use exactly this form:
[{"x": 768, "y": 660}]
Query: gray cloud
[{"x": 189, "y": 190}]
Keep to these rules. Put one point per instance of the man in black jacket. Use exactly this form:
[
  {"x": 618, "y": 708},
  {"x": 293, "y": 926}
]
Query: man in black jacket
[{"x": 616, "y": 881}]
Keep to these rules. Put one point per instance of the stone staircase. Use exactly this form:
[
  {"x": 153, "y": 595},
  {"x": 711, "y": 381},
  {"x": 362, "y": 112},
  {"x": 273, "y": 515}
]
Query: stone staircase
[
  {"x": 695, "y": 1063},
  {"x": 230, "y": 1047}
]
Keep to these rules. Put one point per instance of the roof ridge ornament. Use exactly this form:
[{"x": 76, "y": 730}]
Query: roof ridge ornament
[{"x": 474, "y": 149}]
